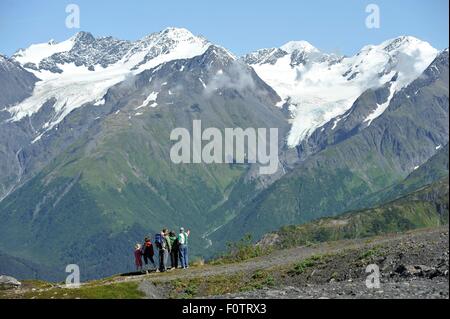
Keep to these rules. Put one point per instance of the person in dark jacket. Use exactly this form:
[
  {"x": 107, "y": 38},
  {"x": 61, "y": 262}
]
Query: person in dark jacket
[
  {"x": 173, "y": 238},
  {"x": 148, "y": 253},
  {"x": 163, "y": 250}
]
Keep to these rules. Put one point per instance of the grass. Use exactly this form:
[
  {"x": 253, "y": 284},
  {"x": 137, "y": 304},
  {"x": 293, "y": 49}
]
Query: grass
[
  {"x": 37, "y": 284},
  {"x": 221, "y": 284},
  {"x": 126, "y": 290},
  {"x": 240, "y": 251},
  {"x": 260, "y": 279},
  {"x": 307, "y": 263},
  {"x": 375, "y": 251},
  {"x": 184, "y": 289}
]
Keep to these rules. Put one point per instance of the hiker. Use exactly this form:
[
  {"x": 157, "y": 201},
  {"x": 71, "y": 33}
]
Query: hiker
[
  {"x": 168, "y": 244},
  {"x": 174, "y": 249},
  {"x": 183, "y": 247},
  {"x": 163, "y": 244},
  {"x": 148, "y": 253},
  {"x": 138, "y": 257}
]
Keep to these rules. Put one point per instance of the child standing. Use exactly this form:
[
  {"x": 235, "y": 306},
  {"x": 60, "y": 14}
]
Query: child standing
[{"x": 138, "y": 257}]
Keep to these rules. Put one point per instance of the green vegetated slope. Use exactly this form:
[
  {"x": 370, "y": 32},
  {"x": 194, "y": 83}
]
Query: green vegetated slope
[
  {"x": 344, "y": 176},
  {"x": 427, "y": 207},
  {"x": 26, "y": 268},
  {"x": 434, "y": 169}
]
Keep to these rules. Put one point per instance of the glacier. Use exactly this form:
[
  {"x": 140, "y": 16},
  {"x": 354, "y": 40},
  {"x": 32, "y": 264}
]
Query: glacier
[{"x": 317, "y": 87}]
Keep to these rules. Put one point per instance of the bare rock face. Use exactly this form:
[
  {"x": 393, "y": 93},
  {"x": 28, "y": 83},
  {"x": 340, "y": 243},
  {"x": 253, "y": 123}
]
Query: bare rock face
[
  {"x": 419, "y": 271},
  {"x": 7, "y": 282}
]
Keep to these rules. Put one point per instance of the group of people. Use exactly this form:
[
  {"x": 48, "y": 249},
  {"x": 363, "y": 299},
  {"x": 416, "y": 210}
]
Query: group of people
[{"x": 168, "y": 244}]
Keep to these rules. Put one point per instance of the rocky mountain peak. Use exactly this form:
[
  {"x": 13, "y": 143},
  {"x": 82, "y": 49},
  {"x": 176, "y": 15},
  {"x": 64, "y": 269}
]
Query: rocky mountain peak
[
  {"x": 83, "y": 37},
  {"x": 264, "y": 56},
  {"x": 302, "y": 46}
]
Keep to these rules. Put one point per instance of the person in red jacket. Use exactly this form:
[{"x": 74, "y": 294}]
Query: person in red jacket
[
  {"x": 148, "y": 253},
  {"x": 138, "y": 257}
]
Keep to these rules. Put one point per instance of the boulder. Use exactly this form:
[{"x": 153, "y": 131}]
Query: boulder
[
  {"x": 418, "y": 271},
  {"x": 7, "y": 282}
]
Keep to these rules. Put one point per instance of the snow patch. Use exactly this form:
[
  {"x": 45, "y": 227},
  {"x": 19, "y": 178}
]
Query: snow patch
[
  {"x": 37, "y": 138},
  {"x": 100, "y": 102},
  {"x": 151, "y": 98},
  {"x": 203, "y": 83},
  {"x": 380, "y": 107},
  {"x": 37, "y": 52},
  {"x": 280, "y": 104},
  {"x": 336, "y": 121}
]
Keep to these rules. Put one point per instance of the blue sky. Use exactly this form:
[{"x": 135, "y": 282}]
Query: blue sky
[{"x": 241, "y": 26}]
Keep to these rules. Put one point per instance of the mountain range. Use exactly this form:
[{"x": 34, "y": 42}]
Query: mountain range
[{"x": 85, "y": 170}]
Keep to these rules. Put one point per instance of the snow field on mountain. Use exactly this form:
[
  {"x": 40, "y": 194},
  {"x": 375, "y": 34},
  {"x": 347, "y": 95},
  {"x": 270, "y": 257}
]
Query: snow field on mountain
[
  {"x": 316, "y": 87},
  {"x": 320, "y": 90},
  {"x": 77, "y": 85}
]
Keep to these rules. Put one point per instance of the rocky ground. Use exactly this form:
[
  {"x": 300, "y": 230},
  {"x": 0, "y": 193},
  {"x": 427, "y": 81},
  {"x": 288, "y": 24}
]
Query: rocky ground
[
  {"x": 406, "y": 289},
  {"x": 414, "y": 265}
]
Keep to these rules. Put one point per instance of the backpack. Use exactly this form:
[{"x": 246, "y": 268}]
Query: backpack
[
  {"x": 176, "y": 243},
  {"x": 159, "y": 241},
  {"x": 147, "y": 249}
]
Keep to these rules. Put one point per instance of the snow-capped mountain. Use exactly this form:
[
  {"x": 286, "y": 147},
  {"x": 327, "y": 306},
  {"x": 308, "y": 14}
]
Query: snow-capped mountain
[
  {"x": 318, "y": 87},
  {"x": 81, "y": 69},
  {"x": 315, "y": 87}
]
